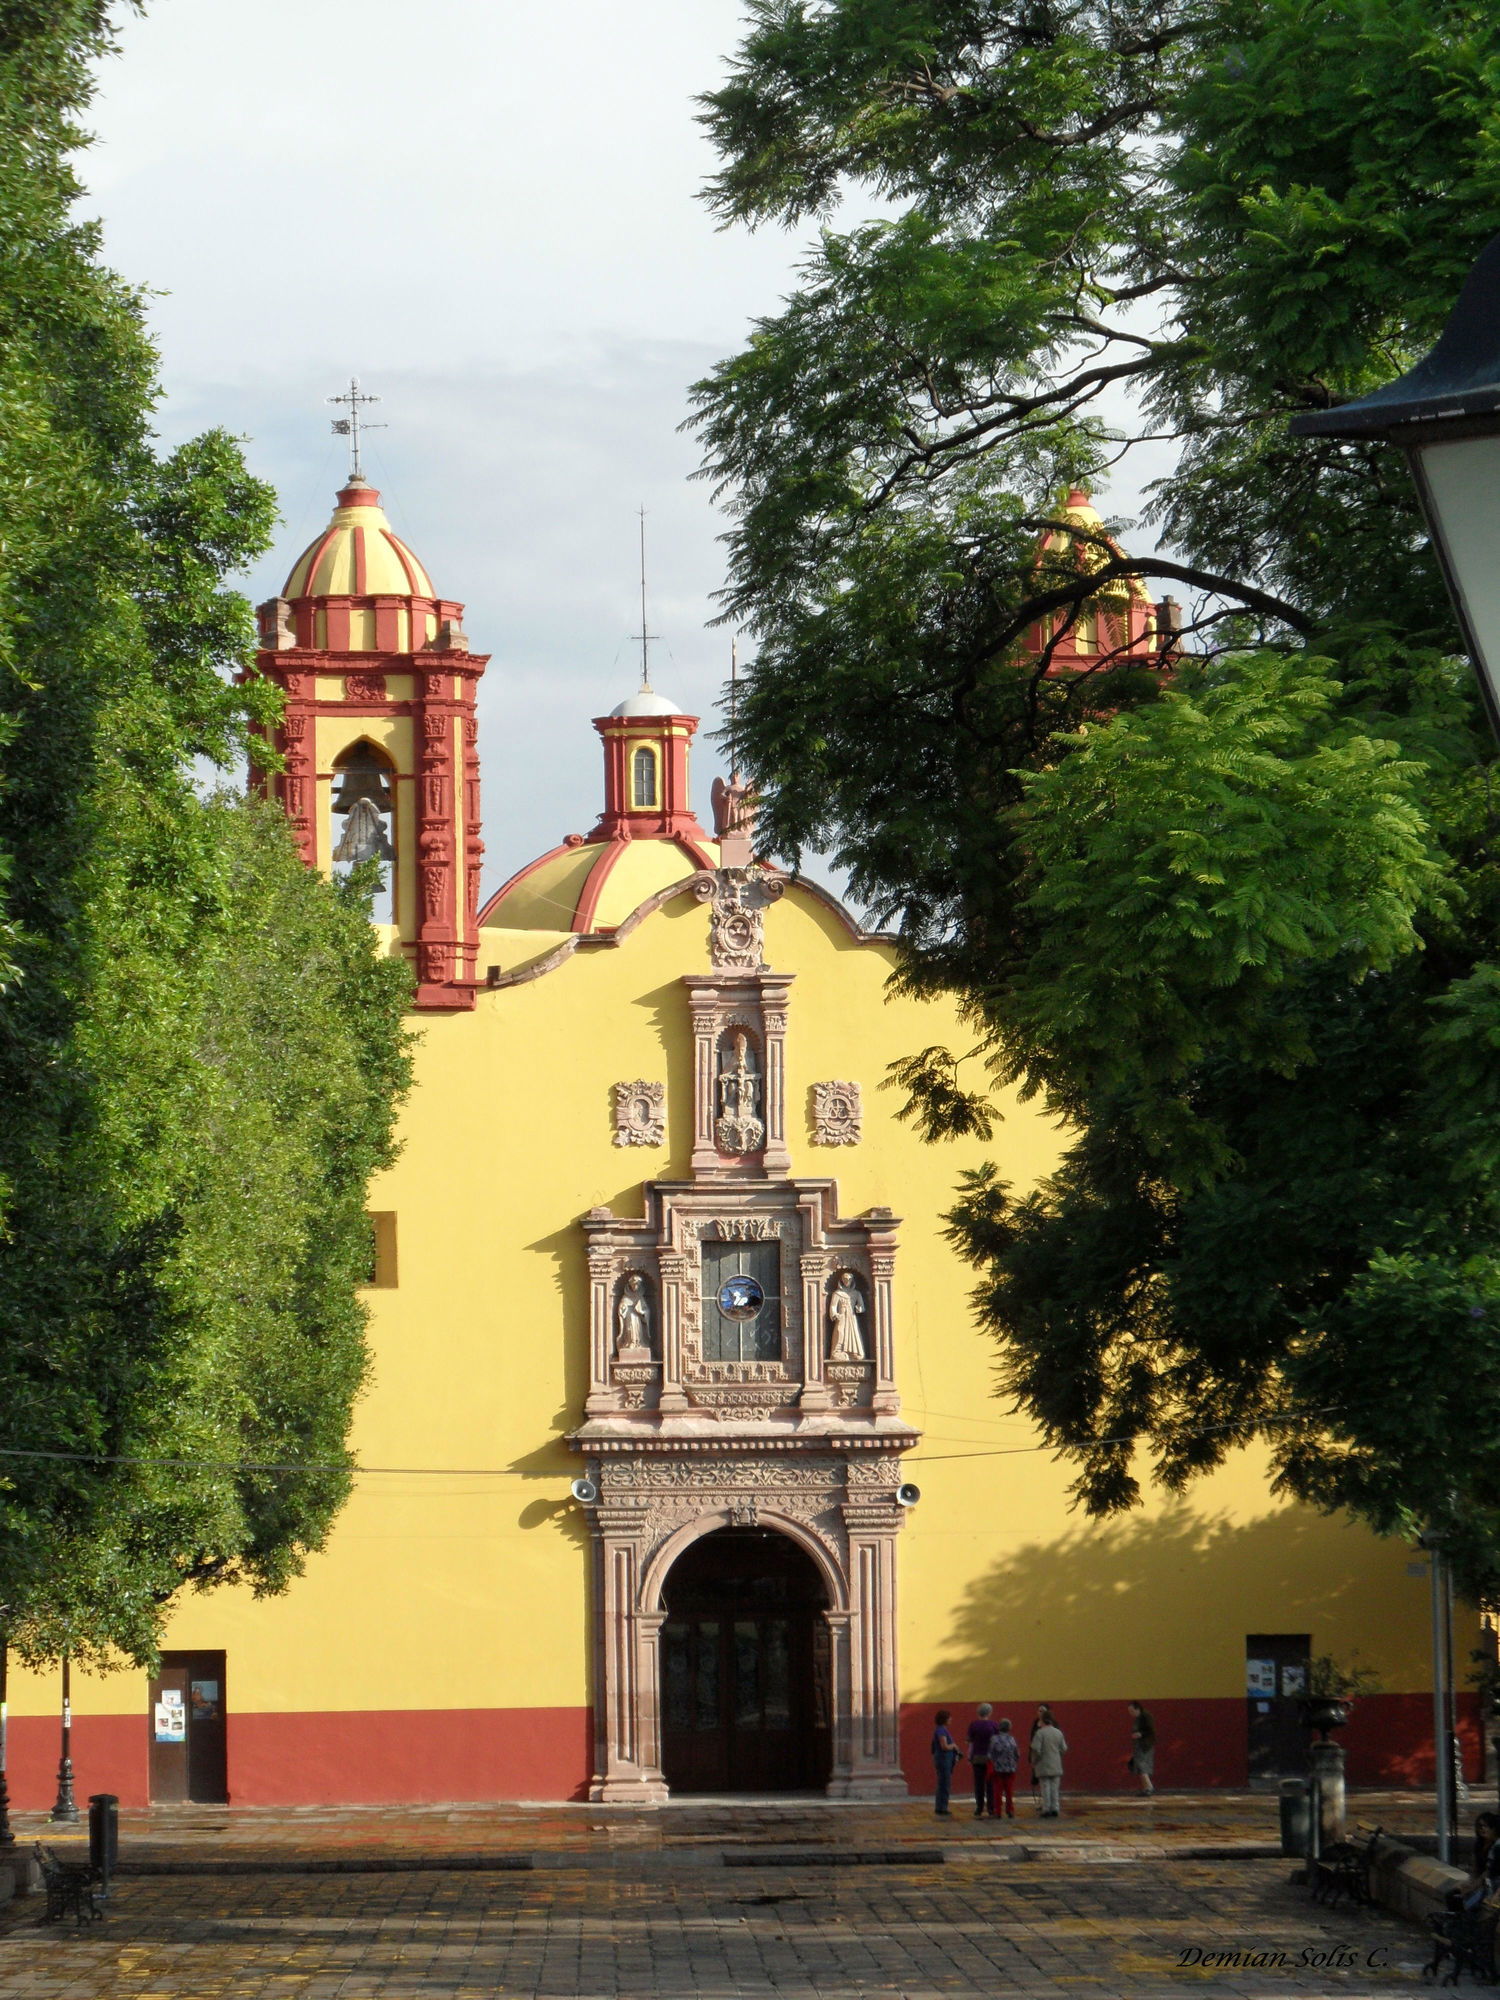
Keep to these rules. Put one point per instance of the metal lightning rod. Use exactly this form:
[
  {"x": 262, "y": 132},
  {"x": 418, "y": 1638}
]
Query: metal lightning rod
[{"x": 643, "y": 635}]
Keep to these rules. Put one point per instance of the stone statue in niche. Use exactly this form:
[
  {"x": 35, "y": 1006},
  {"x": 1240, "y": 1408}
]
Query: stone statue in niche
[
  {"x": 739, "y": 1127},
  {"x": 846, "y": 1341},
  {"x": 633, "y": 1318}
]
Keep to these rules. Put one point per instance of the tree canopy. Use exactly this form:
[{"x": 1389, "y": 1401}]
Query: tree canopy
[
  {"x": 199, "y": 1052},
  {"x": 1230, "y": 912}
]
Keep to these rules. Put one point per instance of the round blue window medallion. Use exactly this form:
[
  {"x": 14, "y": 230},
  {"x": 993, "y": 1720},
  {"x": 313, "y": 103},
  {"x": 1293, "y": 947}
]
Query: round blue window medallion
[{"x": 740, "y": 1297}]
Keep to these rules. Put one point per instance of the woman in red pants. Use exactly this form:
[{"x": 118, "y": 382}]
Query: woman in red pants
[{"x": 1005, "y": 1761}]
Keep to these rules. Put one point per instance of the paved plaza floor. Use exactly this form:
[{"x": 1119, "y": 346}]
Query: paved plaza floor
[{"x": 797, "y": 1899}]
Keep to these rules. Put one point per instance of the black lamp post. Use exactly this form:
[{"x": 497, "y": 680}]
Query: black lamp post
[
  {"x": 1445, "y": 413},
  {"x": 66, "y": 1807},
  {"x": 7, "y": 1833}
]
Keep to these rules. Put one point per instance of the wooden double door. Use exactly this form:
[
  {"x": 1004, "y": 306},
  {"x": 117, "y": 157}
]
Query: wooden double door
[
  {"x": 745, "y": 1667},
  {"x": 186, "y": 1720}
]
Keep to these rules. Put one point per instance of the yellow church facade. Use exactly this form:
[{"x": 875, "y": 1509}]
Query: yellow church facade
[{"x": 682, "y": 1468}]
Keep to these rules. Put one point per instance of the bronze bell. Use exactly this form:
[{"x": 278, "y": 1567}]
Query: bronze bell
[{"x": 362, "y": 776}]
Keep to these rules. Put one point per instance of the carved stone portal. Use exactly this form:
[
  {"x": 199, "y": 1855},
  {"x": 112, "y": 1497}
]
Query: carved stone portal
[
  {"x": 838, "y": 1118},
  {"x": 640, "y": 1113},
  {"x": 838, "y": 1504}
]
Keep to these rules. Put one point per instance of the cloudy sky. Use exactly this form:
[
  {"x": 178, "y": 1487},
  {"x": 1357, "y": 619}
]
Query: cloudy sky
[{"x": 488, "y": 213}]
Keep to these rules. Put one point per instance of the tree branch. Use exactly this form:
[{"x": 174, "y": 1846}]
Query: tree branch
[{"x": 1090, "y": 583}]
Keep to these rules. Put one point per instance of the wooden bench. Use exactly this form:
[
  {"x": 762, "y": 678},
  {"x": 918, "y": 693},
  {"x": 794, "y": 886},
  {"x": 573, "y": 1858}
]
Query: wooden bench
[
  {"x": 1344, "y": 1868},
  {"x": 1465, "y": 1938},
  {"x": 73, "y": 1887}
]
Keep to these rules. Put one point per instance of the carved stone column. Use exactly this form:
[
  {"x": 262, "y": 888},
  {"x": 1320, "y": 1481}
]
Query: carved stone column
[
  {"x": 601, "y": 1397},
  {"x": 437, "y": 902},
  {"x": 841, "y": 1763},
  {"x": 881, "y": 1236},
  {"x": 815, "y": 1395},
  {"x": 676, "y": 1277},
  {"x": 627, "y": 1735},
  {"x": 705, "y": 1041},
  {"x": 298, "y": 781},
  {"x": 874, "y": 1766},
  {"x": 774, "y": 989},
  {"x": 473, "y": 842}
]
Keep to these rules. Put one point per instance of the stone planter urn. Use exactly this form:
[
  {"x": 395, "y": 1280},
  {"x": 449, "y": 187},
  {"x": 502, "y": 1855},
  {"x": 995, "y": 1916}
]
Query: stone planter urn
[{"x": 1323, "y": 1712}]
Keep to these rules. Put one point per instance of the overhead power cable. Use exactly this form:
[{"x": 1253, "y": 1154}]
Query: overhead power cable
[{"x": 512, "y": 1472}]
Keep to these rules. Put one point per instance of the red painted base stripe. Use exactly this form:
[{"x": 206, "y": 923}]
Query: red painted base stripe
[
  {"x": 422, "y": 1757},
  {"x": 111, "y": 1753},
  {"x": 336, "y": 1757}
]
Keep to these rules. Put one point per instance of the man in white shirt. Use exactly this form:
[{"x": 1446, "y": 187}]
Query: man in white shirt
[{"x": 1048, "y": 1748}]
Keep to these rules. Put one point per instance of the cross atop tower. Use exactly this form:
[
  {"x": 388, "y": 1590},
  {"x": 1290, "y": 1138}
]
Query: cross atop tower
[{"x": 351, "y": 426}]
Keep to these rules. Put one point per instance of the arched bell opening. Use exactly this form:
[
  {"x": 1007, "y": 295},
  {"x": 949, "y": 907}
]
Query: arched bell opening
[
  {"x": 362, "y": 810},
  {"x": 746, "y": 1667}
]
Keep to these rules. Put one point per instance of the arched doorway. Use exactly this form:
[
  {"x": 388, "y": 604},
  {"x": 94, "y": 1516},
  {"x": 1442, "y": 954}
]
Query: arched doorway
[{"x": 745, "y": 1667}]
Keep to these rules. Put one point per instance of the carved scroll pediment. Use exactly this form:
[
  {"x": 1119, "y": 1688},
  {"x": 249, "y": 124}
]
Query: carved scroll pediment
[{"x": 737, "y": 922}]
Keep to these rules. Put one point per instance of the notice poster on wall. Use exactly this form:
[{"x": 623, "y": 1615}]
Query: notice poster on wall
[
  {"x": 1260, "y": 1677},
  {"x": 171, "y": 1718}
]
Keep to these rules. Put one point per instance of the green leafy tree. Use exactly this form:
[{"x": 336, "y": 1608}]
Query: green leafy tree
[
  {"x": 1230, "y": 920},
  {"x": 199, "y": 1052}
]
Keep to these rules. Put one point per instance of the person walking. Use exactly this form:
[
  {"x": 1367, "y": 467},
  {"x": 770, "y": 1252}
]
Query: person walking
[
  {"x": 945, "y": 1754},
  {"x": 1142, "y": 1747},
  {"x": 1048, "y": 1748},
  {"x": 981, "y": 1735},
  {"x": 1005, "y": 1761},
  {"x": 1043, "y": 1714}
]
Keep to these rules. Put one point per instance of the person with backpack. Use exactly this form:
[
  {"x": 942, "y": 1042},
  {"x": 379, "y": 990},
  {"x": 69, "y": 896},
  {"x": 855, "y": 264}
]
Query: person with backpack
[{"x": 1005, "y": 1761}]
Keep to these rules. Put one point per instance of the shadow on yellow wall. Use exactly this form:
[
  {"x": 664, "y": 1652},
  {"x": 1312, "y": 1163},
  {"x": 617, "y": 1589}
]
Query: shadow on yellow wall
[{"x": 1168, "y": 1600}]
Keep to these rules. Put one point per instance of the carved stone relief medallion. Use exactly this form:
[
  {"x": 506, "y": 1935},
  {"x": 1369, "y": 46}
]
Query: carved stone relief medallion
[
  {"x": 640, "y": 1113},
  {"x": 838, "y": 1117}
]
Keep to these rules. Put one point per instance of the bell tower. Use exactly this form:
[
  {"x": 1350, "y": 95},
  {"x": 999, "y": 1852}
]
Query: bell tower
[{"x": 379, "y": 737}]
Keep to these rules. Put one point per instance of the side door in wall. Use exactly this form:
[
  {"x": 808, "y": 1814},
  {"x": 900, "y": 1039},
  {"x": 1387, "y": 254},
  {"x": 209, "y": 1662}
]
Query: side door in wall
[
  {"x": 186, "y": 1720},
  {"x": 1276, "y": 1666}
]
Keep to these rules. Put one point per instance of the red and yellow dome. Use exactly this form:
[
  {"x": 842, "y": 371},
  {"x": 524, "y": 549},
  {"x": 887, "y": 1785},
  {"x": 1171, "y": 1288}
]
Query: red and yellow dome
[{"x": 358, "y": 555}]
